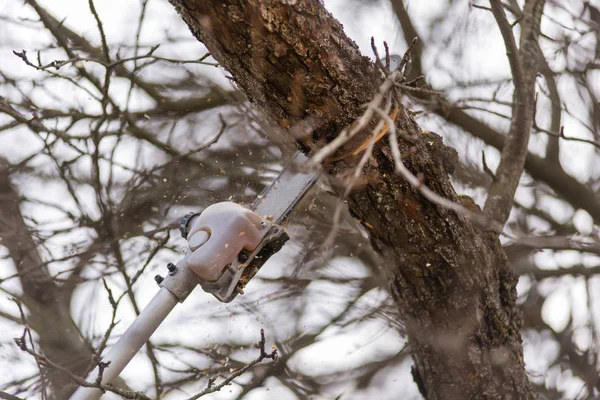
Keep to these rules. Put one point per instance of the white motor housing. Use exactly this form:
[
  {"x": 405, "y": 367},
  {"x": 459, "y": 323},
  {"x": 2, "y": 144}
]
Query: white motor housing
[{"x": 217, "y": 236}]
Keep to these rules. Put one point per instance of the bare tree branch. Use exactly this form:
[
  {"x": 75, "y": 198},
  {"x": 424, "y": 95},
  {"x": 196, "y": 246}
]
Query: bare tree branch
[
  {"x": 569, "y": 188},
  {"x": 524, "y": 66},
  {"x": 50, "y": 312}
]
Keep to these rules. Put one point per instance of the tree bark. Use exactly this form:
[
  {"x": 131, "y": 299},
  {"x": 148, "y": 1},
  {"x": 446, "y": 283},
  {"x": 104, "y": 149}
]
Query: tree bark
[{"x": 451, "y": 281}]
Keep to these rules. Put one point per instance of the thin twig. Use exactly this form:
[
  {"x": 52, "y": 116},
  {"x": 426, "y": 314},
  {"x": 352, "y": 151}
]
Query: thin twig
[
  {"x": 263, "y": 355},
  {"x": 561, "y": 135}
]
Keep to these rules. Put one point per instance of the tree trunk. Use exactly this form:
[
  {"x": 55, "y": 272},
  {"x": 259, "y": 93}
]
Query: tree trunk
[{"x": 452, "y": 284}]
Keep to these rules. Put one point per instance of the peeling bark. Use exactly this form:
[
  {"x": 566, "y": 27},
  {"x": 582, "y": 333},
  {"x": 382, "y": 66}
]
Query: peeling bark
[{"x": 451, "y": 281}]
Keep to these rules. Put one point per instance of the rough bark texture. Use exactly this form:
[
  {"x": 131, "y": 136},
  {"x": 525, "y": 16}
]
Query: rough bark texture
[
  {"x": 453, "y": 286},
  {"x": 543, "y": 169}
]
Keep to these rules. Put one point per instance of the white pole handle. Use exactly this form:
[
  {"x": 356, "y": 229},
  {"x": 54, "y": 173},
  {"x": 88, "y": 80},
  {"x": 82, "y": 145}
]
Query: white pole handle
[{"x": 130, "y": 343}]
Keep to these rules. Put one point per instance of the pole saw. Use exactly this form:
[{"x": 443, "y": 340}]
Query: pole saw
[{"x": 227, "y": 245}]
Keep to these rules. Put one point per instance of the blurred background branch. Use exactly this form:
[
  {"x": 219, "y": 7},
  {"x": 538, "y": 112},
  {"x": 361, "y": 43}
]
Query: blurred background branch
[{"x": 104, "y": 143}]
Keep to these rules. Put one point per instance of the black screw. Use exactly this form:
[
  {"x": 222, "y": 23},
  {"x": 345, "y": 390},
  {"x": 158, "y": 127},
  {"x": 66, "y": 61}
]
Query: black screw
[
  {"x": 171, "y": 267},
  {"x": 158, "y": 279},
  {"x": 243, "y": 256}
]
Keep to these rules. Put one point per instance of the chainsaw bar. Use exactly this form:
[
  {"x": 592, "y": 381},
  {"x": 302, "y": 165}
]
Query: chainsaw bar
[
  {"x": 278, "y": 200},
  {"x": 274, "y": 204}
]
